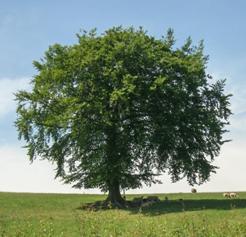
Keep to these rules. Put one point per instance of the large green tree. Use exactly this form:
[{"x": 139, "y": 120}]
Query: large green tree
[{"x": 117, "y": 109}]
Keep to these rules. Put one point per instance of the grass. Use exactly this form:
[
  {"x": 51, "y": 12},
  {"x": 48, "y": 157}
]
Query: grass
[{"x": 201, "y": 214}]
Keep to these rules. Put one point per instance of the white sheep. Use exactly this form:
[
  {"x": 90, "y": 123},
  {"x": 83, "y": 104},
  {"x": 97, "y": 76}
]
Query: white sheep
[{"x": 233, "y": 195}]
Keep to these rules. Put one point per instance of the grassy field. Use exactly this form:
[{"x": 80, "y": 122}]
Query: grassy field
[{"x": 201, "y": 214}]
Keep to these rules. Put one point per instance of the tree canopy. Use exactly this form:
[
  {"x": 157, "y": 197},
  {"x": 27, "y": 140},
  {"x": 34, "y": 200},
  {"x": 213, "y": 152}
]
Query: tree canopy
[{"x": 116, "y": 110}]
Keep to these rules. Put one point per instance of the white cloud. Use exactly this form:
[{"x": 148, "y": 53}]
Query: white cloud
[
  {"x": 232, "y": 163},
  {"x": 18, "y": 175},
  {"x": 229, "y": 177},
  {"x": 8, "y": 87}
]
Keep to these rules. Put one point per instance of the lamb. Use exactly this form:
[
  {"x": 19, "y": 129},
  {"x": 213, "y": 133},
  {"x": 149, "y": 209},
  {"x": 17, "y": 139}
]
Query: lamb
[{"x": 233, "y": 195}]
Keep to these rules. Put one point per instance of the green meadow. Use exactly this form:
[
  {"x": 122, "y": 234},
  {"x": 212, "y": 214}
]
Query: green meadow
[{"x": 184, "y": 214}]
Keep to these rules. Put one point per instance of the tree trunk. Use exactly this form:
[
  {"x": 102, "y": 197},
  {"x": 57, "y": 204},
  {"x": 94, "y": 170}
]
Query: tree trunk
[
  {"x": 112, "y": 162},
  {"x": 114, "y": 195}
]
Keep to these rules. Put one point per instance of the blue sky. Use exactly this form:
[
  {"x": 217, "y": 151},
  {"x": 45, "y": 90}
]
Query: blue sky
[{"x": 27, "y": 28}]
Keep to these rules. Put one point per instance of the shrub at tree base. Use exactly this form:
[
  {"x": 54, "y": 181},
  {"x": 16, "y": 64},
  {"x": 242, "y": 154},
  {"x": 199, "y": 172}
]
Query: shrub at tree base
[{"x": 135, "y": 203}]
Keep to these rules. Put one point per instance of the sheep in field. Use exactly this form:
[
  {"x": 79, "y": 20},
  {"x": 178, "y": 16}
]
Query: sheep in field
[
  {"x": 193, "y": 190},
  {"x": 233, "y": 195}
]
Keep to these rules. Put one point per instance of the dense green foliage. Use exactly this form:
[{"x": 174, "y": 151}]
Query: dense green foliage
[
  {"x": 57, "y": 215},
  {"x": 118, "y": 109}
]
